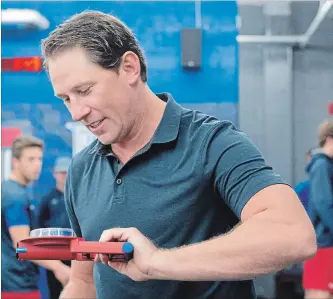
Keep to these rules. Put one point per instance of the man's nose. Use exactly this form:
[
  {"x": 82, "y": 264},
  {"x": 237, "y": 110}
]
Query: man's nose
[{"x": 78, "y": 112}]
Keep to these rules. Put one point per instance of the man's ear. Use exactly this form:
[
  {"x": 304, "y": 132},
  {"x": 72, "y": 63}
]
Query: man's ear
[
  {"x": 15, "y": 162},
  {"x": 131, "y": 67},
  {"x": 329, "y": 140}
]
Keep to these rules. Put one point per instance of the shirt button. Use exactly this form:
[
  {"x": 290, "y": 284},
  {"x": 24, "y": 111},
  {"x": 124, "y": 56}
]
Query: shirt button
[{"x": 119, "y": 181}]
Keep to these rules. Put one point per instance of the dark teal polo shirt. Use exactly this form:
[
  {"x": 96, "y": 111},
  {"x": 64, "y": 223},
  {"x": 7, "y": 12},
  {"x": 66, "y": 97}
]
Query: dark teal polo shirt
[{"x": 188, "y": 184}]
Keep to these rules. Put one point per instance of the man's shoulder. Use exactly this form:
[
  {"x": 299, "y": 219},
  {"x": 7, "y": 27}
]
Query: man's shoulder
[
  {"x": 12, "y": 190},
  {"x": 13, "y": 194},
  {"x": 201, "y": 123},
  {"x": 321, "y": 162},
  {"x": 212, "y": 136},
  {"x": 86, "y": 153},
  {"x": 50, "y": 195}
]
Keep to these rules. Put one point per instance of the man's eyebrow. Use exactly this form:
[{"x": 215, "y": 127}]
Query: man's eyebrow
[{"x": 82, "y": 84}]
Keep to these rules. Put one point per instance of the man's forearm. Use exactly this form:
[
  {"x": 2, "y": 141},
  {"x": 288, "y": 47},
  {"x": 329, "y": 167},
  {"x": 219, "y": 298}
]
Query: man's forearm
[
  {"x": 50, "y": 264},
  {"x": 79, "y": 289},
  {"x": 258, "y": 246}
]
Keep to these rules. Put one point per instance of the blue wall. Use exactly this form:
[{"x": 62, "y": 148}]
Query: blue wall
[{"x": 28, "y": 101}]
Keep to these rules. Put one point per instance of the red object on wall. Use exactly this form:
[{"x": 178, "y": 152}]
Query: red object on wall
[
  {"x": 8, "y": 135},
  {"x": 330, "y": 108},
  {"x": 22, "y": 64}
]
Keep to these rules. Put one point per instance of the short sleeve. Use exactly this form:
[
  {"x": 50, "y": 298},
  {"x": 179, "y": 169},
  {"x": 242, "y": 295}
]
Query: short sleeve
[
  {"x": 237, "y": 167},
  {"x": 68, "y": 194},
  {"x": 16, "y": 210}
]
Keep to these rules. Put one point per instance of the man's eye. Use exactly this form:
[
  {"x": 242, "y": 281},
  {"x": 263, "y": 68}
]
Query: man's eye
[
  {"x": 66, "y": 100},
  {"x": 84, "y": 92}
]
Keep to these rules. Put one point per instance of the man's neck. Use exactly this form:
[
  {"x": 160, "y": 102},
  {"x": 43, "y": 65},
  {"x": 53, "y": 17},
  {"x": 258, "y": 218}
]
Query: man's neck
[
  {"x": 144, "y": 127},
  {"x": 19, "y": 178},
  {"x": 327, "y": 151},
  {"x": 60, "y": 188}
]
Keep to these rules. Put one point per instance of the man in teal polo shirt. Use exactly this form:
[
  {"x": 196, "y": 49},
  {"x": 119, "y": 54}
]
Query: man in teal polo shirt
[{"x": 204, "y": 211}]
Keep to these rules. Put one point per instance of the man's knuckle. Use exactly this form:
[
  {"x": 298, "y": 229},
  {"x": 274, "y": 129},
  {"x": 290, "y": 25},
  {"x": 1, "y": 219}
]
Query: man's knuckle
[{"x": 104, "y": 234}]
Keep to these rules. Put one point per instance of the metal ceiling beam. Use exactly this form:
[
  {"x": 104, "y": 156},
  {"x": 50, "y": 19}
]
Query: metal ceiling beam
[
  {"x": 322, "y": 12},
  {"x": 297, "y": 40},
  {"x": 270, "y": 39},
  {"x": 23, "y": 18}
]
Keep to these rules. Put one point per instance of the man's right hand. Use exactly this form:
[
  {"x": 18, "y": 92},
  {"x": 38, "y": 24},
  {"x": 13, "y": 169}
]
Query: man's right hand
[{"x": 62, "y": 273}]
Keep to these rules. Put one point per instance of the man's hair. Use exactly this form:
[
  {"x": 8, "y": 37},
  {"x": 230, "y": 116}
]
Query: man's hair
[
  {"x": 104, "y": 38},
  {"x": 24, "y": 142},
  {"x": 325, "y": 130}
]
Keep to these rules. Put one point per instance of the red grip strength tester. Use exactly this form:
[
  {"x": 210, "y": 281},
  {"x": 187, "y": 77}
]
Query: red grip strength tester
[{"x": 62, "y": 244}]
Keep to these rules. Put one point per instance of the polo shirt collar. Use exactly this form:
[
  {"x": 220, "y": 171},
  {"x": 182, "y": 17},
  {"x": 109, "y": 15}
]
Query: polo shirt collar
[{"x": 167, "y": 130}]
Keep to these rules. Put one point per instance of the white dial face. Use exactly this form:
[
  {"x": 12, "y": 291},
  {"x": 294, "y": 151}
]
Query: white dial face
[{"x": 52, "y": 232}]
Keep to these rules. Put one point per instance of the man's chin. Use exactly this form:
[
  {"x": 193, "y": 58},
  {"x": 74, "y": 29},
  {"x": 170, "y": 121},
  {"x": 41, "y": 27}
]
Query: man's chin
[{"x": 104, "y": 140}]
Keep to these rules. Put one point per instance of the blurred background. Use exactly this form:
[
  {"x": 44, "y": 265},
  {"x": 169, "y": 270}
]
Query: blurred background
[{"x": 265, "y": 65}]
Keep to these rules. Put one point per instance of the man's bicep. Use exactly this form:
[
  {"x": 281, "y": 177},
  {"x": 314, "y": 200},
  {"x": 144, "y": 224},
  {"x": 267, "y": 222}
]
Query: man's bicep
[
  {"x": 242, "y": 171},
  {"x": 18, "y": 233},
  {"x": 17, "y": 217},
  {"x": 280, "y": 199}
]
